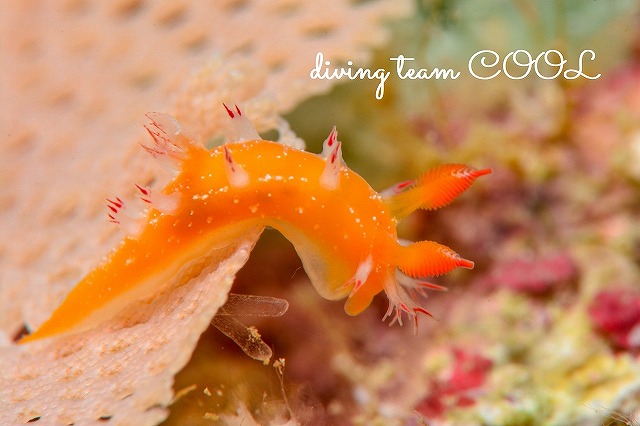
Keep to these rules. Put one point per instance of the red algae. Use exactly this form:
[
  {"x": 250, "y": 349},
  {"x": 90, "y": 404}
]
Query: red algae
[
  {"x": 469, "y": 373},
  {"x": 532, "y": 276},
  {"x": 616, "y": 314}
]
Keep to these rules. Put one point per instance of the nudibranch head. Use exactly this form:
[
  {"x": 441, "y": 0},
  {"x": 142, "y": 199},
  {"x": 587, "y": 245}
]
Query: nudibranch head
[{"x": 343, "y": 230}]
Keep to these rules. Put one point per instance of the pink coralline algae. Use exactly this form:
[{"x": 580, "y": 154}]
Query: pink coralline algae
[
  {"x": 458, "y": 390},
  {"x": 616, "y": 314},
  {"x": 532, "y": 276}
]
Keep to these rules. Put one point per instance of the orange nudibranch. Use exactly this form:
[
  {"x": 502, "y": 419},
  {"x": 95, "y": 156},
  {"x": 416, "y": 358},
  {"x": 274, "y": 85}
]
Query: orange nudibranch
[{"x": 343, "y": 230}]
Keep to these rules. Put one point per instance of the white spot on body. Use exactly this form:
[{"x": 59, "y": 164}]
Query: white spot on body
[{"x": 200, "y": 197}]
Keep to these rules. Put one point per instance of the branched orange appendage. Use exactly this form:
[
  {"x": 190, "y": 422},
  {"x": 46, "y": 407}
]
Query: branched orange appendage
[
  {"x": 434, "y": 189},
  {"x": 428, "y": 258}
]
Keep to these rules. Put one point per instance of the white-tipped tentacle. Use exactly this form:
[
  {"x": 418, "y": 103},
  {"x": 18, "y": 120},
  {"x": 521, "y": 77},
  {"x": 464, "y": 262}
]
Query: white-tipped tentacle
[
  {"x": 170, "y": 140},
  {"x": 361, "y": 275},
  {"x": 241, "y": 127},
  {"x": 329, "y": 143},
  {"x": 397, "y": 188},
  {"x": 236, "y": 174},
  {"x": 332, "y": 154},
  {"x": 164, "y": 203},
  {"x": 130, "y": 224},
  {"x": 402, "y": 300},
  {"x": 417, "y": 284}
]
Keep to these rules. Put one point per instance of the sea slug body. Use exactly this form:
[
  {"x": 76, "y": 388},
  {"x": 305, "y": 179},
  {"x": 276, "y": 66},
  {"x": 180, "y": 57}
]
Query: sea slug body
[{"x": 343, "y": 230}]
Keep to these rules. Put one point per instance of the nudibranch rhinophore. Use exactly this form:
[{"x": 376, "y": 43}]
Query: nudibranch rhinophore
[{"x": 343, "y": 230}]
